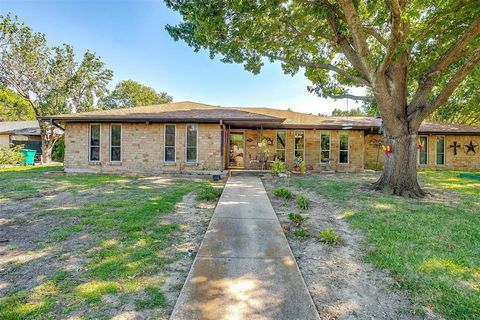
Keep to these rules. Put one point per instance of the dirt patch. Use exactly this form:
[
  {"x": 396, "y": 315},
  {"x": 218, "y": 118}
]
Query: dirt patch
[{"x": 341, "y": 284}]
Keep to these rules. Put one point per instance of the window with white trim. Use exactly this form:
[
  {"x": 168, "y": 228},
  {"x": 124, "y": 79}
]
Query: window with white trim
[
  {"x": 300, "y": 144},
  {"x": 423, "y": 150},
  {"x": 324, "y": 147},
  {"x": 440, "y": 150},
  {"x": 115, "y": 142},
  {"x": 169, "y": 142},
  {"x": 192, "y": 135},
  {"x": 94, "y": 143},
  {"x": 280, "y": 145},
  {"x": 343, "y": 150}
]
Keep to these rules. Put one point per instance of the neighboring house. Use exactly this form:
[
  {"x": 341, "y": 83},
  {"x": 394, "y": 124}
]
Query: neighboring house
[
  {"x": 26, "y": 133},
  {"x": 194, "y": 137}
]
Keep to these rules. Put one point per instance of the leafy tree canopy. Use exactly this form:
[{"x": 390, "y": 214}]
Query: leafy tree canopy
[
  {"x": 129, "y": 93},
  {"x": 13, "y": 107},
  {"x": 356, "y": 112},
  {"x": 49, "y": 78}
]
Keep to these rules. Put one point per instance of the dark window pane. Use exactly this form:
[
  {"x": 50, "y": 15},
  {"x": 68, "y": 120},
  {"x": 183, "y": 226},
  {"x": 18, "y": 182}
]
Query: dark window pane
[
  {"x": 299, "y": 154},
  {"x": 281, "y": 140},
  {"x": 280, "y": 155},
  {"x": 191, "y": 154},
  {"x": 192, "y": 135},
  {"x": 170, "y": 129},
  {"x": 115, "y": 156},
  {"x": 344, "y": 142},
  {"x": 116, "y": 132},
  {"x": 170, "y": 154},
  {"x": 423, "y": 154},
  {"x": 95, "y": 135},
  {"x": 325, "y": 142},
  {"x": 94, "y": 153},
  {"x": 325, "y": 156},
  {"x": 440, "y": 150},
  {"x": 343, "y": 157},
  {"x": 299, "y": 139},
  {"x": 170, "y": 136}
]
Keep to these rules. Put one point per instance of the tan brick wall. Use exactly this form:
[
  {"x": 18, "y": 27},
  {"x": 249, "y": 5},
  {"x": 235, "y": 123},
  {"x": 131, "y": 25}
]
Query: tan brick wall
[
  {"x": 4, "y": 140},
  {"x": 312, "y": 148},
  {"x": 142, "y": 149},
  {"x": 461, "y": 161}
]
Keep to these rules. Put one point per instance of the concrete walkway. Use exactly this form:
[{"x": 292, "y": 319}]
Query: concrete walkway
[{"x": 244, "y": 268}]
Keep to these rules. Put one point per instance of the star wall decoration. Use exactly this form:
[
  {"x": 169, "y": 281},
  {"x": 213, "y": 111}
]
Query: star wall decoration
[{"x": 471, "y": 147}]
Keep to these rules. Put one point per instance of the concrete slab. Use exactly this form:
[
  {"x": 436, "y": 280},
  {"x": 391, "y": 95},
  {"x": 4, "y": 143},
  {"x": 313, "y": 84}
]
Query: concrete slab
[
  {"x": 244, "y": 268},
  {"x": 244, "y": 238}
]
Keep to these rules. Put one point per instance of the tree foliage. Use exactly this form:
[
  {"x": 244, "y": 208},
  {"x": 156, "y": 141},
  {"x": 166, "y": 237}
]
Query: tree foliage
[
  {"x": 129, "y": 93},
  {"x": 410, "y": 55},
  {"x": 355, "y": 112},
  {"x": 13, "y": 107},
  {"x": 48, "y": 78}
]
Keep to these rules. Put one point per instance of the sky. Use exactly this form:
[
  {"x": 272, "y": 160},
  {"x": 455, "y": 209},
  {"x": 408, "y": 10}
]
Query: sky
[{"x": 130, "y": 38}]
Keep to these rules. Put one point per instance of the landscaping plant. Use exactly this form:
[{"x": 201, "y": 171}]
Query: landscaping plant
[
  {"x": 283, "y": 193},
  {"x": 11, "y": 156},
  {"x": 278, "y": 166},
  {"x": 302, "y": 202},
  {"x": 328, "y": 236},
  {"x": 297, "y": 218},
  {"x": 302, "y": 233},
  {"x": 209, "y": 193}
]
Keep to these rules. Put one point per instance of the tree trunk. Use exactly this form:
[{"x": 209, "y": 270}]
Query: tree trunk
[{"x": 399, "y": 176}]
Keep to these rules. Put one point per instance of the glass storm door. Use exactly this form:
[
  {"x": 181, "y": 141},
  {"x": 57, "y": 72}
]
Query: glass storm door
[{"x": 236, "y": 155}]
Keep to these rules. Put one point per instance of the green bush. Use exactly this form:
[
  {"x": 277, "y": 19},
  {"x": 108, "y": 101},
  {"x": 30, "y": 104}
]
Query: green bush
[
  {"x": 209, "y": 194},
  {"x": 296, "y": 218},
  {"x": 302, "y": 233},
  {"x": 302, "y": 202},
  {"x": 282, "y": 193},
  {"x": 278, "y": 166},
  {"x": 11, "y": 156},
  {"x": 58, "y": 152},
  {"x": 328, "y": 236}
]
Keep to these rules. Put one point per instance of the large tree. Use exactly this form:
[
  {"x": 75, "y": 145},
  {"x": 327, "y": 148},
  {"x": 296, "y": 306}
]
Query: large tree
[
  {"x": 410, "y": 54},
  {"x": 13, "y": 107},
  {"x": 129, "y": 93},
  {"x": 48, "y": 78}
]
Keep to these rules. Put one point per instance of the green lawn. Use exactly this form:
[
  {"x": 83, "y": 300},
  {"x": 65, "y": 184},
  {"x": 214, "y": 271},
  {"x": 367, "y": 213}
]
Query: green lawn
[
  {"x": 431, "y": 246},
  {"x": 120, "y": 227}
]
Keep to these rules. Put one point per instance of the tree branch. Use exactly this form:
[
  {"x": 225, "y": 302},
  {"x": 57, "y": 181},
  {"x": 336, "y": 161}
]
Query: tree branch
[
  {"x": 349, "y": 96},
  {"x": 451, "y": 85},
  {"x": 358, "y": 35},
  {"x": 395, "y": 35},
  {"x": 456, "y": 51},
  {"x": 330, "y": 67}
]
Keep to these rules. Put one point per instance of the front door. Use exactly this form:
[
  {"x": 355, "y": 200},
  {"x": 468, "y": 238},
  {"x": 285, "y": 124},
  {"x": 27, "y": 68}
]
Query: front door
[{"x": 236, "y": 152}]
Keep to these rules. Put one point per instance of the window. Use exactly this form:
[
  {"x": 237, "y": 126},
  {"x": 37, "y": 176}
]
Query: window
[
  {"x": 343, "y": 155},
  {"x": 170, "y": 132},
  {"x": 300, "y": 144},
  {"x": 192, "y": 134},
  {"x": 441, "y": 150},
  {"x": 324, "y": 147},
  {"x": 115, "y": 142},
  {"x": 423, "y": 151},
  {"x": 94, "y": 152},
  {"x": 280, "y": 145}
]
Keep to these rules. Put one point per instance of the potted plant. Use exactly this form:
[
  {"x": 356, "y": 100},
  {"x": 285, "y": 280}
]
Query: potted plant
[{"x": 298, "y": 166}]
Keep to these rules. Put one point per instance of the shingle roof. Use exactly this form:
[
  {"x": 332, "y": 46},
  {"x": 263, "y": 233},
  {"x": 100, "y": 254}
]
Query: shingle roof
[
  {"x": 197, "y": 112},
  {"x": 20, "y": 127}
]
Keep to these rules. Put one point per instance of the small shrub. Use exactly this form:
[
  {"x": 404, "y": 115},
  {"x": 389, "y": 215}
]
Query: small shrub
[
  {"x": 302, "y": 202},
  {"x": 209, "y": 194},
  {"x": 302, "y": 233},
  {"x": 282, "y": 193},
  {"x": 328, "y": 236},
  {"x": 278, "y": 166},
  {"x": 11, "y": 156},
  {"x": 296, "y": 218}
]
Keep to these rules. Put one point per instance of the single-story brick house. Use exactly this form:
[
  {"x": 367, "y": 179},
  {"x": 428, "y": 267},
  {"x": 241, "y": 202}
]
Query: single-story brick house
[
  {"x": 194, "y": 137},
  {"x": 25, "y": 133}
]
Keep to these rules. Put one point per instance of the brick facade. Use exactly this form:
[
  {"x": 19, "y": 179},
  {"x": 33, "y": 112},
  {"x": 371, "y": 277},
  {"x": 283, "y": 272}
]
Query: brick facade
[
  {"x": 312, "y": 148},
  {"x": 461, "y": 160},
  {"x": 142, "y": 149}
]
